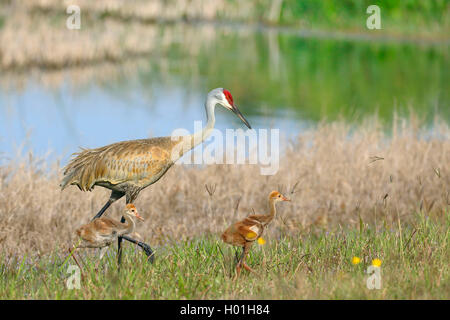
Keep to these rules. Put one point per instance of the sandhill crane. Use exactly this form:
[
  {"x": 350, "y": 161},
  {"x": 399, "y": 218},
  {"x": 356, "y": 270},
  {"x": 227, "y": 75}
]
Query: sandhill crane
[
  {"x": 243, "y": 233},
  {"x": 127, "y": 167},
  {"x": 101, "y": 232}
]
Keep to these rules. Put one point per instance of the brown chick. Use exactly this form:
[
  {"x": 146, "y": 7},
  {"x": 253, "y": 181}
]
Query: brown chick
[
  {"x": 243, "y": 233},
  {"x": 101, "y": 232}
]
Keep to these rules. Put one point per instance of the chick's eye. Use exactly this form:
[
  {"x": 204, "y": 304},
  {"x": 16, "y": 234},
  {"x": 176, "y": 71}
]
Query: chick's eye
[{"x": 279, "y": 196}]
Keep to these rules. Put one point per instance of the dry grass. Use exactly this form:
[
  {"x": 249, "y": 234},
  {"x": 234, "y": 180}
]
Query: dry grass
[
  {"x": 155, "y": 10},
  {"x": 32, "y": 43},
  {"x": 331, "y": 171},
  {"x": 36, "y": 35}
]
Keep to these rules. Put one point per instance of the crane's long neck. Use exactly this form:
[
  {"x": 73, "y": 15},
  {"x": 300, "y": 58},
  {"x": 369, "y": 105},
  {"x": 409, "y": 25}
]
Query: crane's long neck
[
  {"x": 129, "y": 225},
  {"x": 200, "y": 136},
  {"x": 191, "y": 141}
]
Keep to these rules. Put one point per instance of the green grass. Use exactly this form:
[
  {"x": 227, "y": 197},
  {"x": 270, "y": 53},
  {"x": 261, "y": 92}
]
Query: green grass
[{"x": 315, "y": 265}]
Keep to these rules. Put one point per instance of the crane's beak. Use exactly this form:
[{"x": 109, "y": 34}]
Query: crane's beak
[
  {"x": 239, "y": 114},
  {"x": 285, "y": 199}
]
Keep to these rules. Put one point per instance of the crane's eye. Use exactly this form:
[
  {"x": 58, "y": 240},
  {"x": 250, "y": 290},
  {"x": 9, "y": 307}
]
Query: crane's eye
[{"x": 279, "y": 196}]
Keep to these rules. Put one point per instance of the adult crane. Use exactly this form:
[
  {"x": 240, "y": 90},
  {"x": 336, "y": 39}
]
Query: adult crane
[{"x": 128, "y": 167}]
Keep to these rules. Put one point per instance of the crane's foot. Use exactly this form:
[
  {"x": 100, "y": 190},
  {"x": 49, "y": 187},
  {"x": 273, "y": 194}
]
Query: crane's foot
[
  {"x": 246, "y": 267},
  {"x": 148, "y": 251},
  {"x": 239, "y": 268},
  {"x": 145, "y": 247}
]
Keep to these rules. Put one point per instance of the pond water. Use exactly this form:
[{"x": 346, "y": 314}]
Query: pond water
[{"x": 278, "y": 79}]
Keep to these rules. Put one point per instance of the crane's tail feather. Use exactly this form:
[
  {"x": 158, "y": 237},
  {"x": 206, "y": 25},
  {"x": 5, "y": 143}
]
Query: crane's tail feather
[{"x": 76, "y": 172}]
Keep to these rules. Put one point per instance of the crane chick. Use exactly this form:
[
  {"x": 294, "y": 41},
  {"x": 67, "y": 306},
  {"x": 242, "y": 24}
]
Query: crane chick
[
  {"x": 101, "y": 232},
  {"x": 243, "y": 233}
]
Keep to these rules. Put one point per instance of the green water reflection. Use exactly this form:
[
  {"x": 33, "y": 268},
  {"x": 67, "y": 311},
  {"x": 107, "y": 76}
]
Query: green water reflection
[{"x": 316, "y": 78}]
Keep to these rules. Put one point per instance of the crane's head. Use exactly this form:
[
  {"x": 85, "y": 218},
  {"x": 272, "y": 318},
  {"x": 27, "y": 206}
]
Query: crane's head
[
  {"x": 225, "y": 99},
  {"x": 131, "y": 210},
  {"x": 276, "y": 196}
]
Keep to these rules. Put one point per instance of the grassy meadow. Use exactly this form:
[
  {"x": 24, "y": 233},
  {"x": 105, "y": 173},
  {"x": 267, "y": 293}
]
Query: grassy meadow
[
  {"x": 356, "y": 191},
  {"x": 312, "y": 265}
]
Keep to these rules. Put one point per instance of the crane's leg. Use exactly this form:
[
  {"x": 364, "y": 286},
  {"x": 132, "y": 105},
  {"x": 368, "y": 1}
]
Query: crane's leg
[
  {"x": 72, "y": 254},
  {"x": 241, "y": 263},
  {"x": 72, "y": 251},
  {"x": 246, "y": 267},
  {"x": 115, "y": 195},
  {"x": 145, "y": 247}
]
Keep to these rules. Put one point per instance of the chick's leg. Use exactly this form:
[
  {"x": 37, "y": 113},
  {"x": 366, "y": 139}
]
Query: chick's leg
[{"x": 245, "y": 252}]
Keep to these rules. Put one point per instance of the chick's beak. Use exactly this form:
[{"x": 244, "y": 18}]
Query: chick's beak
[
  {"x": 138, "y": 216},
  {"x": 286, "y": 199},
  {"x": 239, "y": 114}
]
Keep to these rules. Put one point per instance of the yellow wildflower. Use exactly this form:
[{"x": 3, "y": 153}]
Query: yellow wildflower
[
  {"x": 376, "y": 262},
  {"x": 261, "y": 241},
  {"x": 356, "y": 260}
]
